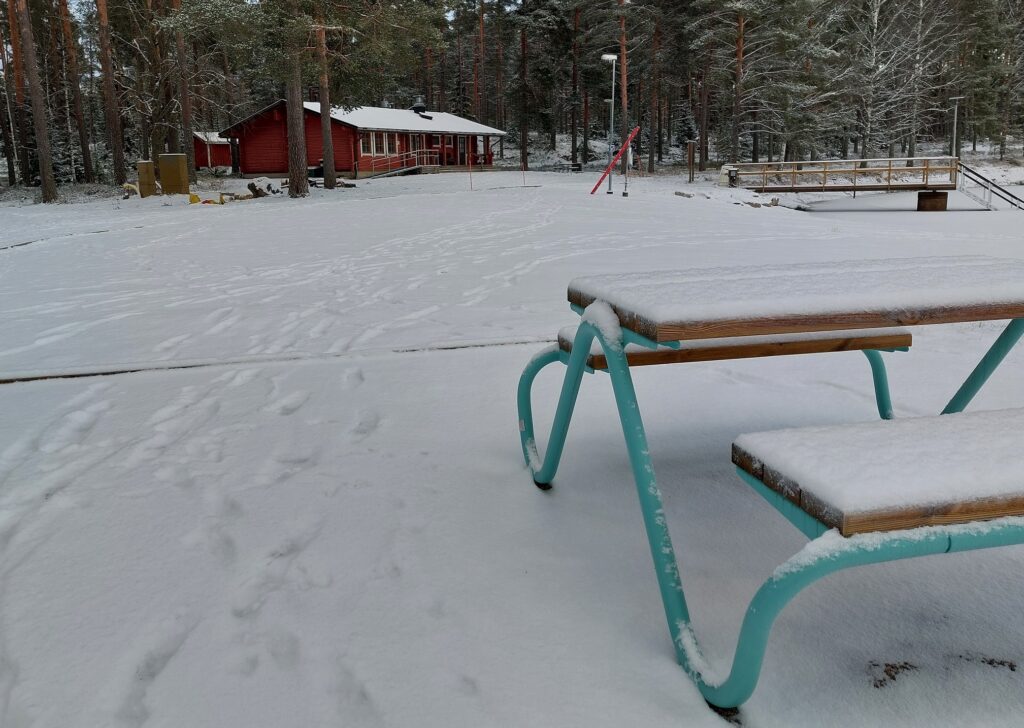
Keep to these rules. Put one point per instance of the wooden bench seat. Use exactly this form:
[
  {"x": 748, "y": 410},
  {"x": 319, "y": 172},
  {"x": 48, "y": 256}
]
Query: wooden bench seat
[
  {"x": 747, "y": 347},
  {"x": 897, "y": 474}
]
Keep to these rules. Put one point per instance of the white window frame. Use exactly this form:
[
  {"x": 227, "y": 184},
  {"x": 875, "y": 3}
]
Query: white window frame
[{"x": 366, "y": 144}]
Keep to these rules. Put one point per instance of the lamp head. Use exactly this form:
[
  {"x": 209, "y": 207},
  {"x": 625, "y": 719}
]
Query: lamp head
[{"x": 610, "y": 57}]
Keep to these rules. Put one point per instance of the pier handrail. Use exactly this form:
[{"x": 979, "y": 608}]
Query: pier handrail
[{"x": 846, "y": 174}]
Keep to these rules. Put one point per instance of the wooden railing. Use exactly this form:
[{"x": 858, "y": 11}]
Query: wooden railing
[
  {"x": 421, "y": 157},
  {"x": 850, "y": 174}
]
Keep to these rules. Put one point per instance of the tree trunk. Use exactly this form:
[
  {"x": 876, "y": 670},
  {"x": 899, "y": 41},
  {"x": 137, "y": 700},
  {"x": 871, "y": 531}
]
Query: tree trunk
[
  {"x": 755, "y": 141},
  {"x": 428, "y": 95},
  {"x": 586, "y": 125},
  {"x": 8, "y": 142},
  {"x": 499, "y": 92},
  {"x": 575, "y": 83},
  {"x": 524, "y": 131},
  {"x": 7, "y": 112},
  {"x": 478, "y": 67},
  {"x": 669, "y": 102},
  {"x": 662, "y": 107},
  {"x": 19, "y": 121},
  {"x": 35, "y": 90},
  {"x": 185, "y": 98},
  {"x": 298, "y": 184},
  {"x": 737, "y": 95},
  {"x": 443, "y": 92},
  {"x": 653, "y": 124},
  {"x": 330, "y": 174},
  {"x": 623, "y": 81},
  {"x": 71, "y": 51},
  {"x": 704, "y": 94},
  {"x": 113, "y": 114}
]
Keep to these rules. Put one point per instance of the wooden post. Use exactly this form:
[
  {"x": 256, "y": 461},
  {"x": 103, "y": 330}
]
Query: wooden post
[
  {"x": 691, "y": 147},
  {"x": 931, "y": 201},
  {"x": 147, "y": 178},
  {"x": 174, "y": 174}
]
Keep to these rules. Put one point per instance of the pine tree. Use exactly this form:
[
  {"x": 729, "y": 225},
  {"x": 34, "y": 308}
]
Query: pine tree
[{"x": 35, "y": 86}]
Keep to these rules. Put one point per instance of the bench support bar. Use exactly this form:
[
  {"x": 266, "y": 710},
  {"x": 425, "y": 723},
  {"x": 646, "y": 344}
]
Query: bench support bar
[{"x": 801, "y": 571}]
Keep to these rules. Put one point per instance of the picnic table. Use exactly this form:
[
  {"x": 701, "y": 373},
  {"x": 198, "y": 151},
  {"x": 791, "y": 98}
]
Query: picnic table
[{"x": 843, "y": 486}]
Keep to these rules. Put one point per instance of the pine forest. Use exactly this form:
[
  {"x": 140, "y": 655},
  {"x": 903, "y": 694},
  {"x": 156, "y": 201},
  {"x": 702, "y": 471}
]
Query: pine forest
[{"x": 91, "y": 86}]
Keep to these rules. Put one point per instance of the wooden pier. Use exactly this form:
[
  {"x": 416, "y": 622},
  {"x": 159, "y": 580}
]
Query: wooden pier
[{"x": 899, "y": 174}]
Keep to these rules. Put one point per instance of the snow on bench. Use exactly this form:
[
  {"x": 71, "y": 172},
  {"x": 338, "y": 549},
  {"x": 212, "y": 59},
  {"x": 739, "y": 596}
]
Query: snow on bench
[
  {"x": 896, "y": 474},
  {"x": 747, "y": 347},
  {"x": 704, "y": 303}
]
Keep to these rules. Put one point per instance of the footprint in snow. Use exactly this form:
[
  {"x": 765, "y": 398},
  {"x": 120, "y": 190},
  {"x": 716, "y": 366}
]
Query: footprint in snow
[
  {"x": 289, "y": 404},
  {"x": 171, "y": 343},
  {"x": 352, "y": 378},
  {"x": 367, "y": 423}
]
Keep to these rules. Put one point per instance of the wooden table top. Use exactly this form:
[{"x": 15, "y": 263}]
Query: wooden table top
[{"x": 702, "y": 303}]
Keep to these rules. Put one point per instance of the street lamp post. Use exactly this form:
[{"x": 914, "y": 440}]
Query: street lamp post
[
  {"x": 613, "y": 59},
  {"x": 956, "y": 107}
]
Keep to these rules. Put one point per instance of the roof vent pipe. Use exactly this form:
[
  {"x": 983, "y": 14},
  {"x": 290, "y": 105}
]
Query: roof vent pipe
[{"x": 419, "y": 107}]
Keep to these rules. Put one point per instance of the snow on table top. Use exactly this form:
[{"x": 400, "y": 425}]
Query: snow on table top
[
  {"x": 830, "y": 289},
  {"x": 895, "y": 464}
]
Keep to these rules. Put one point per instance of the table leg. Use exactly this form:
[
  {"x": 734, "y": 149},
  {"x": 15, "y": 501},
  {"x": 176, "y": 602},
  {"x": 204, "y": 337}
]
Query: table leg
[
  {"x": 651, "y": 508},
  {"x": 881, "y": 381},
  {"x": 988, "y": 364}
]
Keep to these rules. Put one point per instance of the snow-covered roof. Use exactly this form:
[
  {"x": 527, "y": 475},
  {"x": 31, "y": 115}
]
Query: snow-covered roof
[
  {"x": 210, "y": 137},
  {"x": 430, "y": 122}
]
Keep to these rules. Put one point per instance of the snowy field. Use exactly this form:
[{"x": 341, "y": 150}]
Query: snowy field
[{"x": 326, "y": 520}]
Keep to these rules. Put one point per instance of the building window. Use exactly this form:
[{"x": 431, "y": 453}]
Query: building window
[
  {"x": 448, "y": 140},
  {"x": 394, "y": 144},
  {"x": 435, "y": 141},
  {"x": 379, "y": 149},
  {"x": 365, "y": 145}
]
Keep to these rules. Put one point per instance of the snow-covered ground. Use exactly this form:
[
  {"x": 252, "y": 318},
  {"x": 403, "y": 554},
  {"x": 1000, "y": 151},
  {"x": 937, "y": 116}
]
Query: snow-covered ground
[{"x": 327, "y": 521}]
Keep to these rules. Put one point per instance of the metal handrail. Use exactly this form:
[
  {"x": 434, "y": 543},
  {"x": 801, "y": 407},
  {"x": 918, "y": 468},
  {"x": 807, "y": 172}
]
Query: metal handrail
[{"x": 992, "y": 187}]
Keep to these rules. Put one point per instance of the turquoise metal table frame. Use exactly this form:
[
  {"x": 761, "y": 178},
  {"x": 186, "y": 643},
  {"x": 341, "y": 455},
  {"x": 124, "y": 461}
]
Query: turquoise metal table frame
[{"x": 793, "y": 575}]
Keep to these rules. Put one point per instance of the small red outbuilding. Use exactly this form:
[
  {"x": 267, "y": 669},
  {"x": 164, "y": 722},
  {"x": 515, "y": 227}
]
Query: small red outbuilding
[
  {"x": 211, "y": 150},
  {"x": 367, "y": 140}
]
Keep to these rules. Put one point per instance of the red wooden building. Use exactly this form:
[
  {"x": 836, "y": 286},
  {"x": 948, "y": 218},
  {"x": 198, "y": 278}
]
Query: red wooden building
[
  {"x": 211, "y": 149},
  {"x": 367, "y": 140}
]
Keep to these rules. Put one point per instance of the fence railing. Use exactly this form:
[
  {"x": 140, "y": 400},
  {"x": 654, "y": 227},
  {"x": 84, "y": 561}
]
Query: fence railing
[
  {"x": 420, "y": 157},
  {"x": 888, "y": 173}
]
